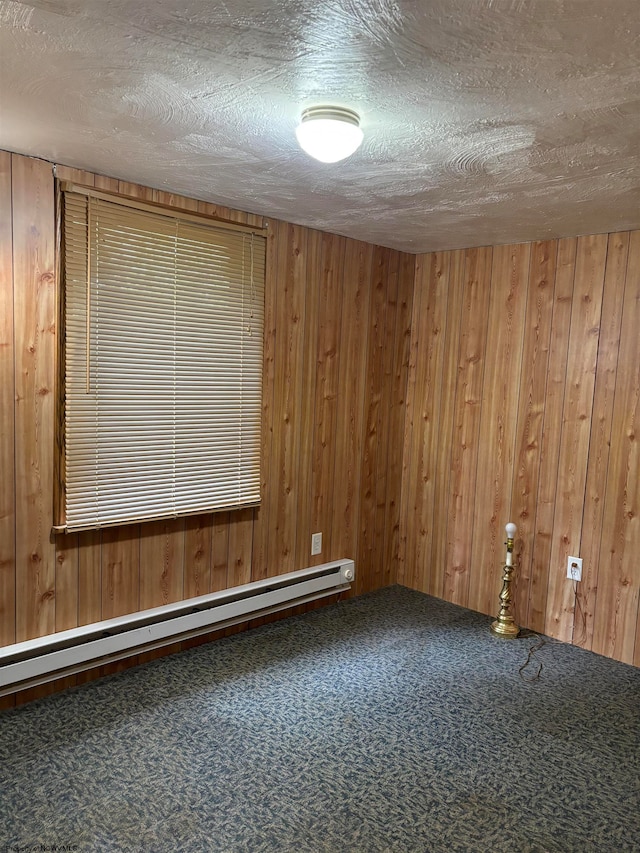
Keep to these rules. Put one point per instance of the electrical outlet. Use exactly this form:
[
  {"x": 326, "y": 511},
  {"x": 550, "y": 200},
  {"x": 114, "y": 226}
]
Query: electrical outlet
[
  {"x": 574, "y": 568},
  {"x": 316, "y": 544}
]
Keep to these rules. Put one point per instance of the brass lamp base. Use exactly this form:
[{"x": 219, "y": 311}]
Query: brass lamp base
[{"x": 507, "y": 629}]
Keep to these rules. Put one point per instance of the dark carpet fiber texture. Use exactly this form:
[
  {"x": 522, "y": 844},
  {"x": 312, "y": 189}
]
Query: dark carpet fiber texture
[{"x": 389, "y": 722}]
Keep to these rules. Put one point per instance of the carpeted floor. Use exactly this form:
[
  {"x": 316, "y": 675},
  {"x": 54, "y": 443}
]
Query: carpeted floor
[{"x": 390, "y": 722}]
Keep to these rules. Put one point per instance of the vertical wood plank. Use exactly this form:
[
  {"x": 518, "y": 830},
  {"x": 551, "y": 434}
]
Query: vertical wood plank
[
  {"x": 530, "y": 418},
  {"x": 307, "y": 409},
  {"x": 198, "y": 538},
  {"x": 354, "y": 313},
  {"x": 67, "y": 581},
  {"x": 380, "y": 572},
  {"x": 290, "y": 309},
  {"x": 466, "y": 428},
  {"x": 120, "y": 571},
  {"x": 161, "y": 562},
  {"x": 440, "y": 556},
  {"x": 427, "y": 276},
  {"x": 616, "y": 614},
  {"x": 240, "y": 547},
  {"x": 220, "y": 574},
  {"x": 89, "y": 577},
  {"x": 551, "y": 432},
  {"x": 398, "y": 403},
  {"x": 373, "y": 402},
  {"x": 434, "y": 313},
  {"x": 576, "y": 429},
  {"x": 406, "y": 551},
  {"x": 600, "y": 439},
  {"x": 503, "y": 358},
  {"x": 7, "y": 413},
  {"x": 268, "y": 491},
  {"x": 332, "y": 253},
  {"x": 35, "y": 319}
]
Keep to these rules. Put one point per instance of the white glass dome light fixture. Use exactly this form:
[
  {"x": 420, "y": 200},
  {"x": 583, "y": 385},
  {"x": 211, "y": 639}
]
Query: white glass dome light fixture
[{"x": 329, "y": 134}]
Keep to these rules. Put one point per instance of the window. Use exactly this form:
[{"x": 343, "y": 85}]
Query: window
[{"x": 163, "y": 317}]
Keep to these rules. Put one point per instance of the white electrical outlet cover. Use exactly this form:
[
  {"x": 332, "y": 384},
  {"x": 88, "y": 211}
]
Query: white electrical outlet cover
[{"x": 574, "y": 568}]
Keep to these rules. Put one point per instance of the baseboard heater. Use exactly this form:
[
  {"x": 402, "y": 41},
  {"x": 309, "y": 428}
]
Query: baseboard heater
[{"x": 57, "y": 655}]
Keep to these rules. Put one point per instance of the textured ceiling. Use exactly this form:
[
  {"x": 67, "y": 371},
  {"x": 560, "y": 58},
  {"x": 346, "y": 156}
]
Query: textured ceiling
[{"x": 486, "y": 121}]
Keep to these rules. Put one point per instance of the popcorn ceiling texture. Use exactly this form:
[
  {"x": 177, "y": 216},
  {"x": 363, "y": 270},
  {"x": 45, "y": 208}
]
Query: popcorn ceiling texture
[{"x": 486, "y": 121}]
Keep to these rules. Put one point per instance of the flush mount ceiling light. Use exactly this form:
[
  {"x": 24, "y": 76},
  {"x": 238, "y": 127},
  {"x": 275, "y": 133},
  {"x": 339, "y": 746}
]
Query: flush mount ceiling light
[{"x": 329, "y": 133}]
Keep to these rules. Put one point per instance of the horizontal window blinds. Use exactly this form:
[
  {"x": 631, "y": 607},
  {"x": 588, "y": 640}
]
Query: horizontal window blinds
[{"x": 163, "y": 364}]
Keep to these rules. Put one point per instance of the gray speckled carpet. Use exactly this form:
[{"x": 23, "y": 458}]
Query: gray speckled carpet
[{"x": 389, "y": 722}]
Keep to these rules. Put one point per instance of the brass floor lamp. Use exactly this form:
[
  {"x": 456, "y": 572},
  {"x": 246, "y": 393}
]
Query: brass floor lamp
[{"x": 505, "y": 626}]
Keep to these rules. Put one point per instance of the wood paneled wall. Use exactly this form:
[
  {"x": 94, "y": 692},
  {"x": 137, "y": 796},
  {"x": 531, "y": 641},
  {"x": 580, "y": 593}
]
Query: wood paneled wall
[
  {"x": 338, "y": 317},
  {"x": 523, "y": 405}
]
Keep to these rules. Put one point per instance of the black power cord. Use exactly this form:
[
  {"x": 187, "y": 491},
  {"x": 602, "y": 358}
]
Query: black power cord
[
  {"x": 577, "y": 607},
  {"x": 530, "y": 659},
  {"x": 541, "y": 641}
]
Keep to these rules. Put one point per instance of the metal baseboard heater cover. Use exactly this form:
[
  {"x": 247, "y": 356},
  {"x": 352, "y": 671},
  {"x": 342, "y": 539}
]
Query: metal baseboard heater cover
[{"x": 57, "y": 655}]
